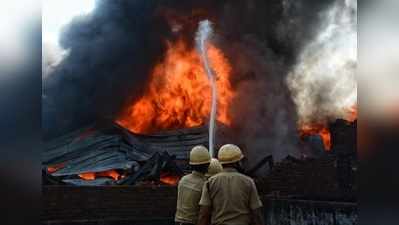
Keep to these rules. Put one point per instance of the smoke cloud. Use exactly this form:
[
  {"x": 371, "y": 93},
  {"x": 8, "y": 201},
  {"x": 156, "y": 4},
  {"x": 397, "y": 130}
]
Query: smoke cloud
[
  {"x": 269, "y": 44},
  {"x": 110, "y": 52},
  {"x": 323, "y": 81},
  {"x": 52, "y": 55}
]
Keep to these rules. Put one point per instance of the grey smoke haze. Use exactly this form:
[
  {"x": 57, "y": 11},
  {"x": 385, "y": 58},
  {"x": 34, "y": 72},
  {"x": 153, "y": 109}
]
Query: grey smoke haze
[
  {"x": 52, "y": 55},
  {"x": 323, "y": 81},
  {"x": 111, "y": 52}
]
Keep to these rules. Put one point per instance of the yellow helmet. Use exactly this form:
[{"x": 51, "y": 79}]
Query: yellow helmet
[
  {"x": 229, "y": 153},
  {"x": 214, "y": 167},
  {"x": 199, "y": 155}
]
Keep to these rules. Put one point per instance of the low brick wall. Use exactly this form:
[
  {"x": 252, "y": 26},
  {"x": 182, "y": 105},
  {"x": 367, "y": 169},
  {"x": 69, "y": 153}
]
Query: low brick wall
[
  {"x": 155, "y": 205},
  {"x": 108, "y": 205}
]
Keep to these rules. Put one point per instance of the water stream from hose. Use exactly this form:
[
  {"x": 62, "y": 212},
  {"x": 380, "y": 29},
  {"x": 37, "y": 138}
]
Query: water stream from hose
[{"x": 203, "y": 34}]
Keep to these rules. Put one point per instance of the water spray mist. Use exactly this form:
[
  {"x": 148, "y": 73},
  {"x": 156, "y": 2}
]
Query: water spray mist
[{"x": 203, "y": 33}]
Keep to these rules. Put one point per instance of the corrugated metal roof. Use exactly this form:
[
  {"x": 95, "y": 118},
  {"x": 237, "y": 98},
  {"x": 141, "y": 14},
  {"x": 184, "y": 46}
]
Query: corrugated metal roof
[{"x": 110, "y": 146}]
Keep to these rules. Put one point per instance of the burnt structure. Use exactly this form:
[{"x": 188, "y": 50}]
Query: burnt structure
[
  {"x": 329, "y": 176},
  {"x": 295, "y": 190},
  {"x": 107, "y": 146},
  {"x": 344, "y": 137}
]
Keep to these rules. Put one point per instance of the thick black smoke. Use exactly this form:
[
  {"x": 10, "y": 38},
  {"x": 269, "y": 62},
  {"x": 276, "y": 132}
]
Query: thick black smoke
[{"x": 112, "y": 50}]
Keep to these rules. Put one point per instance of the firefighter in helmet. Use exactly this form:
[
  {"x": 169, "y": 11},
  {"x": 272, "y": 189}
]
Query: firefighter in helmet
[
  {"x": 229, "y": 197},
  {"x": 214, "y": 168},
  {"x": 190, "y": 187}
]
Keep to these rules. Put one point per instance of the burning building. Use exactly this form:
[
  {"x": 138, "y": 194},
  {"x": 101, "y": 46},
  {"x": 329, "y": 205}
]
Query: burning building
[
  {"x": 284, "y": 72},
  {"x": 277, "y": 82},
  {"x": 148, "y": 77}
]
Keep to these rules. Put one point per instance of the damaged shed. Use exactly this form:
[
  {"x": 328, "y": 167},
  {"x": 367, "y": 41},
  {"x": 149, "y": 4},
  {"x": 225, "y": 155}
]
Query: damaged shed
[{"x": 106, "y": 153}]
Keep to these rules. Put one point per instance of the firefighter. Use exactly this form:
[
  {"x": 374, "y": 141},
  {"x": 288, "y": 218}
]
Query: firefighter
[
  {"x": 230, "y": 197},
  {"x": 214, "y": 168},
  {"x": 190, "y": 187}
]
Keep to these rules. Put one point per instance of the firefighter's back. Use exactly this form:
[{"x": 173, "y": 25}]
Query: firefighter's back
[{"x": 232, "y": 196}]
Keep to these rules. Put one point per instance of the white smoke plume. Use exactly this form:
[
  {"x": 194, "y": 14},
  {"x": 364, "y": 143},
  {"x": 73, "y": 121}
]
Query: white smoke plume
[
  {"x": 52, "y": 55},
  {"x": 203, "y": 34},
  {"x": 323, "y": 83}
]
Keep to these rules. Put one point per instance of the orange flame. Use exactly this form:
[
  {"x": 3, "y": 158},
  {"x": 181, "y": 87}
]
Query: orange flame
[
  {"x": 319, "y": 129},
  {"x": 179, "y": 92},
  {"x": 54, "y": 168},
  {"x": 322, "y": 129},
  {"x": 166, "y": 178},
  {"x": 93, "y": 175},
  {"x": 88, "y": 176}
]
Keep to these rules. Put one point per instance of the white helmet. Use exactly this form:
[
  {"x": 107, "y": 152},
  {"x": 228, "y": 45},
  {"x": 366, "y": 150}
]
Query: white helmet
[
  {"x": 229, "y": 153},
  {"x": 199, "y": 155},
  {"x": 214, "y": 167}
]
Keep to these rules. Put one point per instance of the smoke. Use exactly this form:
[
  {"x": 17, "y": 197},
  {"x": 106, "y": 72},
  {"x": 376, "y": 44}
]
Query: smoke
[
  {"x": 111, "y": 52},
  {"x": 323, "y": 81},
  {"x": 203, "y": 34},
  {"x": 263, "y": 40},
  {"x": 52, "y": 56}
]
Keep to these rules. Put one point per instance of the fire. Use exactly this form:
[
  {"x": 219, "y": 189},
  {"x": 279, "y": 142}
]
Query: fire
[
  {"x": 89, "y": 175},
  {"x": 166, "y": 178},
  {"x": 322, "y": 129},
  {"x": 54, "y": 168},
  {"x": 319, "y": 129},
  {"x": 93, "y": 175},
  {"x": 179, "y": 92}
]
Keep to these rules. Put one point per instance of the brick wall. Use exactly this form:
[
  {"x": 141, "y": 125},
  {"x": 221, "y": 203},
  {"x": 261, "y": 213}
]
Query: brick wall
[
  {"x": 107, "y": 203},
  {"x": 155, "y": 205}
]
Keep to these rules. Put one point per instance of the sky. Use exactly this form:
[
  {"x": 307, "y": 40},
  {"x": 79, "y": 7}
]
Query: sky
[{"x": 57, "y": 13}]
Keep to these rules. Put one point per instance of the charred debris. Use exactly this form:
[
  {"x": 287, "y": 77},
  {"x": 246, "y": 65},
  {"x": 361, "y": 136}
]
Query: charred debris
[{"x": 108, "y": 154}]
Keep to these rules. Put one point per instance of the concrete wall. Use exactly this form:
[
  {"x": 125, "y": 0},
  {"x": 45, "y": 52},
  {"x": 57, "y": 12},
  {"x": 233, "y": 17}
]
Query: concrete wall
[{"x": 120, "y": 205}]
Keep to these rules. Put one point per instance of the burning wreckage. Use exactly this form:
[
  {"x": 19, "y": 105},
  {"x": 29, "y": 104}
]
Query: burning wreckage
[
  {"x": 150, "y": 139},
  {"x": 109, "y": 154}
]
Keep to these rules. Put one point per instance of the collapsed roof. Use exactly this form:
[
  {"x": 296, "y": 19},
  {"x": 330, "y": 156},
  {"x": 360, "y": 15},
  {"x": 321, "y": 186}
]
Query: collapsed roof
[{"x": 107, "y": 146}]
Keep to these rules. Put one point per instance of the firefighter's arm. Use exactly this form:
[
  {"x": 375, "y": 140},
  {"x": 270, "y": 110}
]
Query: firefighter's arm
[{"x": 204, "y": 215}]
